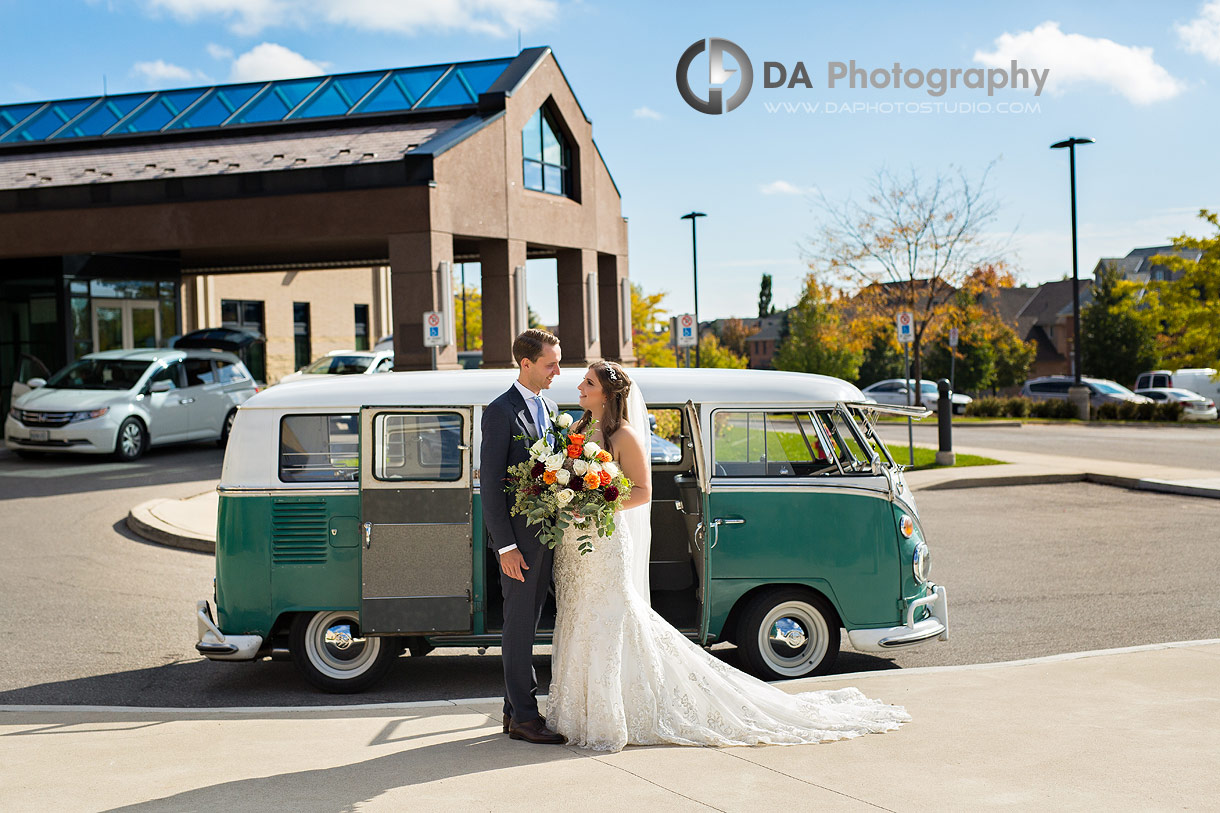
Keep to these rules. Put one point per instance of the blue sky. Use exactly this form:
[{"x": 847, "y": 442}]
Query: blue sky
[{"x": 1141, "y": 78}]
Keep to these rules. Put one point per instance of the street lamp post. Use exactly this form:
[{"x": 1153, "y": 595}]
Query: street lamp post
[
  {"x": 694, "y": 257},
  {"x": 1070, "y": 144}
]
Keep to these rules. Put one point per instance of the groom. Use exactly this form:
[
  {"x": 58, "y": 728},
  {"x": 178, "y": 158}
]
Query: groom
[{"x": 525, "y": 563}]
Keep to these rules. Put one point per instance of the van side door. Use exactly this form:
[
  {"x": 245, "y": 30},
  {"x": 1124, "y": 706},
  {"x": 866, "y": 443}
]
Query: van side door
[{"x": 415, "y": 496}]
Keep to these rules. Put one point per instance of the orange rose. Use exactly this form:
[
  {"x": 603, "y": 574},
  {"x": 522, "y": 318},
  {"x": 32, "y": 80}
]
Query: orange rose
[
  {"x": 573, "y": 451},
  {"x": 548, "y": 477},
  {"x": 578, "y": 439},
  {"x": 592, "y": 480},
  {"x": 604, "y": 478},
  {"x": 603, "y": 456}
]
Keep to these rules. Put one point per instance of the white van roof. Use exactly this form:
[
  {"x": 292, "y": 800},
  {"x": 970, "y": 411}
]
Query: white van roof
[{"x": 660, "y": 385}]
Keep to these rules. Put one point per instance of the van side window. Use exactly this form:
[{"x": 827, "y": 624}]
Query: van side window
[
  {"x": 319, "y": 448},
  {"x": 228, "y": 372},
  {"x": 766, "y": 444},
  {"x": 199, "y": 371},
  {"x": 418, "y": 446},
  {"x": 171, "y": 373},
  {"x": 845, "y": 443}
]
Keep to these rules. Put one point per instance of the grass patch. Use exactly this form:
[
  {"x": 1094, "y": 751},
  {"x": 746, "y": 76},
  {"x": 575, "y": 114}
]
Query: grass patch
[{"x": 926, "y": 458}]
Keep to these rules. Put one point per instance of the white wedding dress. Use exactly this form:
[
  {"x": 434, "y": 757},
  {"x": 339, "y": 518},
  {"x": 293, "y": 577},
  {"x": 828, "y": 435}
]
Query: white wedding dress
[{"x": 621, "y": 675}]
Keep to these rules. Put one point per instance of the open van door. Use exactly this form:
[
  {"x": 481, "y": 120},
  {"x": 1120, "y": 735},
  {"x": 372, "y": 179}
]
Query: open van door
[
  {"x": 415, "y": 502},
  {"x": 701, "y": 531}
]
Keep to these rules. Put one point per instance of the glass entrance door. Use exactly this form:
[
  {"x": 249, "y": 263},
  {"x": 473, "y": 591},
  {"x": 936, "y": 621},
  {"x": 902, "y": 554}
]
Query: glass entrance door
[{"x": 122, "y": 324}]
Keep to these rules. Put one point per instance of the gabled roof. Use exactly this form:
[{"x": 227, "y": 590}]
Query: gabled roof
[{"x": 1138, "y": 265}]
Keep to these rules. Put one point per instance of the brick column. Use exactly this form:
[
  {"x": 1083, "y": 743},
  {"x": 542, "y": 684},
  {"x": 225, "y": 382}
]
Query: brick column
[
  {"x": 616, "y": 332},
  {"x": 499, "y": 258},
  {"x": 576, "y": 269},
  {"x": 413, "y": 289}
]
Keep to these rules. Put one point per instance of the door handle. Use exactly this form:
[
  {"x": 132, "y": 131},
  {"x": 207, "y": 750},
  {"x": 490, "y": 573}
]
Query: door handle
[
  {"x": 717, "y": 522},
  {"x": 186, "y": 400},
  {"x": 367, "y": 530}
]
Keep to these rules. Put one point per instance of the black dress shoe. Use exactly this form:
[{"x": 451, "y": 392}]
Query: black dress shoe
[{"x": 534, "y": 731}]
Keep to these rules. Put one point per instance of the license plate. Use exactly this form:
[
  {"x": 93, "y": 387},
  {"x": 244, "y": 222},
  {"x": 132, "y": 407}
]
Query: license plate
[{"x": 38, "y": 435}]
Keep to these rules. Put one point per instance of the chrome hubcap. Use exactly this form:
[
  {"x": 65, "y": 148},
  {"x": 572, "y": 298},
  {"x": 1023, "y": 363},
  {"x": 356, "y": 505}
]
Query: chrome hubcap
[
  {"x": 335, "y": 648},
  {"x": 794, "y": 638},
  {"x": 130, "y": 439},
  {"x": 787, "y": 632}
]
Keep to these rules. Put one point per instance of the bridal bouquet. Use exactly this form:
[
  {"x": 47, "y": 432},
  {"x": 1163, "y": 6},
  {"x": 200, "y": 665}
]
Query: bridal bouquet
[{"x": 579, "y": 486}]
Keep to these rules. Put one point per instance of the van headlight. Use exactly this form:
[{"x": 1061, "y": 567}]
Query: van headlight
[
  {"x": 84, "y": 416},
  {"x": 921, "y": 562}
]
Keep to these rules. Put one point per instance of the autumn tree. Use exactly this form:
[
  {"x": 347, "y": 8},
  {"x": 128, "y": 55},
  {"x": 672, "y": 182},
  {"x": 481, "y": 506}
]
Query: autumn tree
[
  {"x": 1118, "y": 334},
  {"x": 1190, "y": 304},
  {"x": 713, "y": 354},
  {"x": 733, "y": 334},
  {"x": 909, "y": 246},
  {"x": 650, "y": 329},
  {"x": 815, "y": 339},
  {"x": 468, "y": 320}
]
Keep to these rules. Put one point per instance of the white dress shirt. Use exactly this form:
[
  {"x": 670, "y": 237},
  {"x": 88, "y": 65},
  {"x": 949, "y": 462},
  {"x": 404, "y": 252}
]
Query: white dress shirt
[{"x": 529, "y": 396}]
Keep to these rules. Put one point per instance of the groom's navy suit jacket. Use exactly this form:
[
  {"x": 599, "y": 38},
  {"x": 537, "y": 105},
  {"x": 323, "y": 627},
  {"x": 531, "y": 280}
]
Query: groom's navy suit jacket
[{"x": 505, "y": 417}]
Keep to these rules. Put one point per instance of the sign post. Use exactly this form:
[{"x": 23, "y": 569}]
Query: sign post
[
  {"x": 435, "y": 335},
  {"x": 906, "y": 335},
  {"x": 687, "y": 334},
  {"x": 953, "y": 358}
]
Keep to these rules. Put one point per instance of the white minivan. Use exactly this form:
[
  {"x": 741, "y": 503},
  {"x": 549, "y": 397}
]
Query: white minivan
[{"x": 1201, "y": 380}]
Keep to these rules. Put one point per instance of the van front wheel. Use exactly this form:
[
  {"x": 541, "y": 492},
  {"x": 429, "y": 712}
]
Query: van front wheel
[
  {"x": 332, "y": 656},
  {"x": 788, "y": 633}
]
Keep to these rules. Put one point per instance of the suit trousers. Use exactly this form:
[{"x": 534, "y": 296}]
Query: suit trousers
[{"x": 522, "y": 608}]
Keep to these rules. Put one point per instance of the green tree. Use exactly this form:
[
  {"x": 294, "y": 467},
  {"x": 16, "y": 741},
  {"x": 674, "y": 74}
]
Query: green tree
[
  {"x": 975, "y": 366},
  {"x": 1190, "y": 304},
  {"x": 650, "y": 329},
  {"x": 880, "y": 359},
  {"x": 713, "y": 354},
  {"x": 765, "y": 308},
  {"x": 816, "y": 340},
  {"x": 1013, "y": 358},
  {"x": 472, "y": 325},
  {"x": 1117, "y": 337}
]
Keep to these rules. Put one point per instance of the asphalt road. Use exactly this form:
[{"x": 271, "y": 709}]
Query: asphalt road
[
  {"x": 96, "y": 616},
  {"x": 1191, "y": 447}
]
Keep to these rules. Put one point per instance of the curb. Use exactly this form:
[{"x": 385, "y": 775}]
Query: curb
[
  {"x": 1132, "y": 483},
  {"x": 142, "y": 522}
]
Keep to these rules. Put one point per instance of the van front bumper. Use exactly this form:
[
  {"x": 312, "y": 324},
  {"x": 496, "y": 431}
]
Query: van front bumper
[
  {"x": 93, "y": 436},
  {"x": 217, "y": 646},
  {"x": 912, "y": 633}
]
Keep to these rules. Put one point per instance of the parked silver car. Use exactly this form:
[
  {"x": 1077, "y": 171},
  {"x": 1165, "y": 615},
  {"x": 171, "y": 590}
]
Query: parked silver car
[
  {"x": 345, "y": 362},
  {"x": 895, "y": 391},
  {"x": 121, "y": 402},
  {"x": 1194, "y": 406},
  {"x": 1101, "y": 390}
]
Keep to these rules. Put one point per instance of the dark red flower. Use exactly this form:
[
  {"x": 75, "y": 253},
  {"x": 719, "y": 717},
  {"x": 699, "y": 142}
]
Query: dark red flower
[
  {"x": 611, "y": 493},
  {"x": 576, "y": 484},
  {"x": 538, "y": 469},
  {"x": 533, "y": 490}
]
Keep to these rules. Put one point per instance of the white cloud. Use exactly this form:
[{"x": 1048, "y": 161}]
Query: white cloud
[
  {"x": 219, "y": 52},
  {"x": 271, "y": 61},
  {"x": 785, "y": 188},
  {"x": 646, "y": 113},
  {"x": 160, "y": 72},
  {"x": 499, "y": 18},
  {"x": 1075, "y": 59},
  {"x": 1202, "y": 34}
]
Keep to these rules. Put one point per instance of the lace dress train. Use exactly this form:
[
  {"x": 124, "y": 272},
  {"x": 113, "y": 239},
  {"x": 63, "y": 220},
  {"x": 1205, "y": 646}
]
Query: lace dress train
[{"x": 622, "y": 675}]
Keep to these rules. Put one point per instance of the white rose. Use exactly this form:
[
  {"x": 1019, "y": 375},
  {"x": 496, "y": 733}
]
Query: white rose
[
  {"x": 591, "y": 450},
  {"x": 595, "y": 468},
  {"x": 540, "y": 449},
  {"x": 611, "y": 469},
  {"x": 564, "y": 420},
  {"x": 555, "y": 461},
  {"x": 564, "y": 497},
  {"x": 580, "y": 467},
  {"x": 563, "y": 476}
]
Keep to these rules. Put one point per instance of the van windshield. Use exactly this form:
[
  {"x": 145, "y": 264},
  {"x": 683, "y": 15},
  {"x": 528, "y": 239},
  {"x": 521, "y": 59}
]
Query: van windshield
[
  {"x": 98, "y": 374},
  {"x": 867, "y": 421}
]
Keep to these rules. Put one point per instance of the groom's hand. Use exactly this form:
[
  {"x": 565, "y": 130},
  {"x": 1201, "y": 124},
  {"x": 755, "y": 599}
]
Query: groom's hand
[{"x": 512, "y": 563}]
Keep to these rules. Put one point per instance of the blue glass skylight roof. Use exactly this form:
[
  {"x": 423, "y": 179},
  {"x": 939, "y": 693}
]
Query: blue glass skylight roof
[{"x": 430, "y": 87}]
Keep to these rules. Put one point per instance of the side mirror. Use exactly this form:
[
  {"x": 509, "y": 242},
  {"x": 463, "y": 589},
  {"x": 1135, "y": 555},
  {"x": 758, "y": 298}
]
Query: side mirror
[
  {"x": 160, "y": 386},
  {"x": 903, "y": 390},
  {"x": 35, "y": 383}
]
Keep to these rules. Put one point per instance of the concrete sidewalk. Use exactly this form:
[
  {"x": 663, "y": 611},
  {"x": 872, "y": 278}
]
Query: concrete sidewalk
[{"x": 1124, "y": 729}]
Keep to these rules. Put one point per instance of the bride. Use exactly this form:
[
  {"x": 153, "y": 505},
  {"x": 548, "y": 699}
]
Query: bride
[{"x": 620, "y": 674}]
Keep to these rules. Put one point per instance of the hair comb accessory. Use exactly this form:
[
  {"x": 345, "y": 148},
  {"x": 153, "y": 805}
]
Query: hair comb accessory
[{"x": 613, "y": 376}]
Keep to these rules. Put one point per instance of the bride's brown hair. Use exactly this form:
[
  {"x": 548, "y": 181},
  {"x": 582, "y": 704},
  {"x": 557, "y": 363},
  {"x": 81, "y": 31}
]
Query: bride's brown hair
[{"x": 615, "y": 385}]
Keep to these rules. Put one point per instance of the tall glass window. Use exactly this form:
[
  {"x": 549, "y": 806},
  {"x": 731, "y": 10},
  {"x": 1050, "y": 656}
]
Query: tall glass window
[
  {"x": 362, "y": 327},
  {"x": 300, "y": 333},
  {"x": 546, "y": 156},
  {"x": 241, "y": 314}
]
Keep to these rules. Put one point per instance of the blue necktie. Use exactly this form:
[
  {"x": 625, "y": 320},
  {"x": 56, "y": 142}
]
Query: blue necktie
[{"x": 539, "y": 419}]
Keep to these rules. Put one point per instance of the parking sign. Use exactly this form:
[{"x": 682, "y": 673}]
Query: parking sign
[
  {"x": 434, "y": 329},
  {"x": 953, "y": 337},
  {"x": 686, "y": 331},
  {"x": 906, "y": 327}
]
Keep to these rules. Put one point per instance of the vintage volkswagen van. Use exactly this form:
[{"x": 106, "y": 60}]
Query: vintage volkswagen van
[{"x": 350, "y": 523}]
